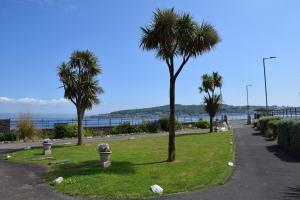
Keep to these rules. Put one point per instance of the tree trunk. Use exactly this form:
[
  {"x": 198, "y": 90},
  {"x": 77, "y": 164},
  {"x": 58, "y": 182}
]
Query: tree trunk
[
  {"x": 211, "y": 124},
  {"x": 80, "y": 128},
  {"x": 171, "y": 155}
]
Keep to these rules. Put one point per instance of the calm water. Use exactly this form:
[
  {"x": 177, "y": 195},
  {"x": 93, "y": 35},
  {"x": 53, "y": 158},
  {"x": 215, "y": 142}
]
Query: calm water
[{"x": 49, "y": 121}]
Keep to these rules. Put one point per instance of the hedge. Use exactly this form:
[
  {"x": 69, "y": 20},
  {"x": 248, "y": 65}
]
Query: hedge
[
  {"x": 289, "y": 135},
  {"x": 267, "y": 125},
  {"x": 8, "y": 136},
  {"x": 164, "y": 124},
  {"x": 202, "y": 124}
]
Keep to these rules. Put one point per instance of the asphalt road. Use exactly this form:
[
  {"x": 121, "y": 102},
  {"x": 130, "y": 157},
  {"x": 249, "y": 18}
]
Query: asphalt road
[{"x": 263, "y": 172}]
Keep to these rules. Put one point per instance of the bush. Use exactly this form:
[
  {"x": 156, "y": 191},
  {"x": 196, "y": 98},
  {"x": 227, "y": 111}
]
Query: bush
[
  {"x": 202, "y": 124},
  {"x": 264, "y": 124},
  {"x": 271, "y": 131},
  {"x": 87, "y": 132},
  {"x": 256, "y": 124},
  {"x": 289, "y": 135},
  {"x": 26, "y": 128},
  {"x": 8, "y": 136},
  {"x": 95, "y": 132},
  {"x": 164, "y": 124},
  {"x": 152, "y": 127},
  {"x": 66, "y": 131}
]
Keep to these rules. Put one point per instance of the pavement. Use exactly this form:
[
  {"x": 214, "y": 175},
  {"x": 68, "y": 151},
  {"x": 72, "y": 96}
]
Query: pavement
[{"x": 263, "y": 172}]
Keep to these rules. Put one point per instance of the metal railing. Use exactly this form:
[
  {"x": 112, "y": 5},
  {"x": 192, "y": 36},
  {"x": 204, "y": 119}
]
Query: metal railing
[
  {"x": 107, "y": 122},
  {"x": 286, "y": 113}
]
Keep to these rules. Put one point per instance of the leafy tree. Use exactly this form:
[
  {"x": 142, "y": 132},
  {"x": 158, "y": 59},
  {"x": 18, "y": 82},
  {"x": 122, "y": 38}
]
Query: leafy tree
[
  {"x": 176, "y": 38},
  {"x": 78, "y": 77},
  {"x": 212, "y": 101}
]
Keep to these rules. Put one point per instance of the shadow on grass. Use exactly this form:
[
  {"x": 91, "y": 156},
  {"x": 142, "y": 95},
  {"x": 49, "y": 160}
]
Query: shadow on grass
[
  {"x": 292, "y": 193},
  {"x": 151, "y": 163},
  {"x": 91, "y": 167},
  {"x": 283, "y": 155},
  {"x": 191, "y": 134}
]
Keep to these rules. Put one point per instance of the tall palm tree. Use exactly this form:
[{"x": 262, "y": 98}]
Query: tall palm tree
[
  {"x": 176, "y": 36},
  {"x": 78, "y": 77},
  {"x": 212, "y": 101}
]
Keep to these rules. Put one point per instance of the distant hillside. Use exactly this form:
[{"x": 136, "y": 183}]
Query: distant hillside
[{"x": 180, "y": 110}]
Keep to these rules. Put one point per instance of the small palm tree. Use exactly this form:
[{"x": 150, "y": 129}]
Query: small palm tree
[
  {"x": 212, "y": 101},
  {"x": 78, "y": 77},
  {"x": 172, "y": 36}
]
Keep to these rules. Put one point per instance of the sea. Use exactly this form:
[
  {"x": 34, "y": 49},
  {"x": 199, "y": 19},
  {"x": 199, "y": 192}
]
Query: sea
[{"x": 49, "y": 121}]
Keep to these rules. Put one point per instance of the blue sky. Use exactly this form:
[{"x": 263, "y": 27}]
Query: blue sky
[{"x": 37, "y": 35}]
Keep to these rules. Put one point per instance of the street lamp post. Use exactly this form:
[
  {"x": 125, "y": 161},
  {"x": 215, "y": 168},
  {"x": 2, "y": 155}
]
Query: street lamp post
[
  {"x": 248, "y": 111},
  {"x": 266, "y": 92}
]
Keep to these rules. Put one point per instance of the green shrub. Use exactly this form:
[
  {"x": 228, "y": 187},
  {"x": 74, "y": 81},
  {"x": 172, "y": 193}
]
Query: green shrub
[
  {"x": 256, "y": 124},
  {"x": 87, "y": 132},
  {"x": 124, "y": 128},
  {"x": 164, "y": 124},
  {"x": 66, "y": 131},
  {"x": 8, "y": 136},
  {"x": 271, "y": 131},
  {"x": 152, "y": 127},
  {"x": 264, "y": 124},
  {"x": 289, "y": 135},
  {"x": 96, "y": 132},
  {"x": 202, "y": 124}
]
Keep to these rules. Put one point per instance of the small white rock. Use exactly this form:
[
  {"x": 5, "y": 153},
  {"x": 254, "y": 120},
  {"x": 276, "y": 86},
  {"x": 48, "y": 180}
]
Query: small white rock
[
  {"x": 27, "y": 147},
  {"x": 89, "y": 137},
  {"x": 67, "y": 143},
  {"x": 157, "y": 189},
  {"x": 230, "y": 164},
  {"x": 7, "y": 156},
  {"x": 58, "y": 180}
]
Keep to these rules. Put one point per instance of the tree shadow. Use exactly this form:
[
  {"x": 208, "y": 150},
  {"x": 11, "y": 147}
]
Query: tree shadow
[
  {"x": 92, "y": 167},
  {"x": 292, "y": 193},
  {"x": 283, "y": 155},
  {"x": 190, "y": 134},
  {"x": 151, "y": 163}
]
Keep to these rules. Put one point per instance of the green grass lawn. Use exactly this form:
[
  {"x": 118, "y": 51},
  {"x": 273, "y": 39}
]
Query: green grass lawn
[{"x": 201, "y": 161}]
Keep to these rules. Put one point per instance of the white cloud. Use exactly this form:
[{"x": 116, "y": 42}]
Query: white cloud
[{"x": 33, "y": 101}]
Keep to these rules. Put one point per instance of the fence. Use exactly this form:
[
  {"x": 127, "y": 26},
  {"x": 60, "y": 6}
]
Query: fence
[
  {"x": 107, "y": 122},
  {"x": 286, "y": 112}
]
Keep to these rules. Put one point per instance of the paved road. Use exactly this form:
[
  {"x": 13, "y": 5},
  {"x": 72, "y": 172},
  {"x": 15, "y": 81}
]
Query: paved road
[{"x": 263, "y": 172}]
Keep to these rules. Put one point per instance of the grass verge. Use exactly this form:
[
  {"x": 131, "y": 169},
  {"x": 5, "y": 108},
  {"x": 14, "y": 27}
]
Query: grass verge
[{"x": 201, "y": 161}]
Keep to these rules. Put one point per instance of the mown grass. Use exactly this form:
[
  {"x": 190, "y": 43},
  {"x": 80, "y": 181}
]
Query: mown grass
[{"x": 201, "y": 161}]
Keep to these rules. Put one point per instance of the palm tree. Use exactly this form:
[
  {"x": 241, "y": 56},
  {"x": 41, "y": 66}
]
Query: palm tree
[
  {"x": 212, "y": 101},
  {"x": 174, "y": 36},
  {"x": 81, "y": 88}
]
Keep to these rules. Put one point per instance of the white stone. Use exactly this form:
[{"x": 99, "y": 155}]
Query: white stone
[
  {"x": 157, "y": 189},
  {"x": 67, "y": 143},
  {"x": 58, "y": 180},
  {"x": 230, "y": 164}
]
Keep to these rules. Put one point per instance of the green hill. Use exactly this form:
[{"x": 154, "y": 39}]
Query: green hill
[{"x": 180, "y": 110}]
